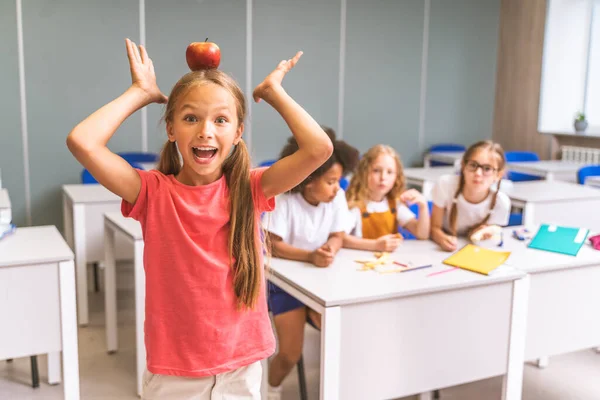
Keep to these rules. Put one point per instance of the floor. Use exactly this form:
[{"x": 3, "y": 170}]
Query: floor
[{"x": 102, "y": 376}]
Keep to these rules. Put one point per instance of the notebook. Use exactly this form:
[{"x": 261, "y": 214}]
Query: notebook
[
  {"x": 559, "y": 239},
  {"x": 477, "y": 259}
]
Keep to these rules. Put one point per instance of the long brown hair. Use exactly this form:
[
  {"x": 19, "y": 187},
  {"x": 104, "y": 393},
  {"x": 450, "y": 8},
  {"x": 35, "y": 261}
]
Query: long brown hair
[
  {"x": 481, "y": 145},
  {"x": 358, "y": 190},
  {"x": 244, "y": 242}
]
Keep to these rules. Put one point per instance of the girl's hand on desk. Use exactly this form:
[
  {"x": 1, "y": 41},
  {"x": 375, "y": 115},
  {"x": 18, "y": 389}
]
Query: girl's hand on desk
[
  {"x": 322, "y": 257},
  {"x": 389, "y": 243},
  {"x": 448, "y": 243}
]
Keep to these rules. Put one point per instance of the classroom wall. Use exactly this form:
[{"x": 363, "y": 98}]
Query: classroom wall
[{"x": 409, "y": 73}]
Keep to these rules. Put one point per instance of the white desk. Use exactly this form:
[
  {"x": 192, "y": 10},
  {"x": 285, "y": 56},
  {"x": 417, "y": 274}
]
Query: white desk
[
  {"x": 83, "y": 210},
  {"x": 557, "y": 202},
  {"x": 549, "y": 169},
  {"x": 562, "y": 315},
  {"x": 37, "y": 302},
  {"x": 593, "y": 181},
  {"x": 394, "y": 335},
  {"x": 5, "y": 208},
  {"x": 426, "y": 178},
  {"x": 447, "y": 157},
  {"x": 114, "y": 223}
]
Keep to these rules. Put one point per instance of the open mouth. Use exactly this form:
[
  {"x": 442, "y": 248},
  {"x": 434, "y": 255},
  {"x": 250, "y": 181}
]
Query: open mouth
[{"x": 204, "y": 154}]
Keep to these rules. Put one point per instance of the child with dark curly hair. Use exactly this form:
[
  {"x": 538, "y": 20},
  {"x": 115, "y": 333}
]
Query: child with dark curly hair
[{"x": 308, "y": 224}]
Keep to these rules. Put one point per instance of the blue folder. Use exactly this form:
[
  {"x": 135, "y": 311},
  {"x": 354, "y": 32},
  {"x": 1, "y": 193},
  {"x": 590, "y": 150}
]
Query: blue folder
[{"x": 559, "y": 239}]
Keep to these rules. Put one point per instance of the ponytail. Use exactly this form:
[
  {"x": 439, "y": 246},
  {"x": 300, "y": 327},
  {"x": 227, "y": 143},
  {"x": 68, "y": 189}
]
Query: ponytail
[
  {"x": 243, "y": 238},
  {"x": 169, "y": 162}
]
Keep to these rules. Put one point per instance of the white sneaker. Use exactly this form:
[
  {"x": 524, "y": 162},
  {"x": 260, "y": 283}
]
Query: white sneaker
[{"x": 274, "y": 393}]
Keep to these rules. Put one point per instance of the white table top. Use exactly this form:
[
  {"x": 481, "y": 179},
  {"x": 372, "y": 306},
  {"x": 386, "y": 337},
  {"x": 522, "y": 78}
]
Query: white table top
[
  {"x": 552, "y": 166},
  {"x": 535, "y": 261},
  {"x": 92, "y": 193},
  {"x": 34, "y": 245},
  {"x": 428, "y": 174},
  {"x": 128, "y": 226},
  {"x": 148, "y": 165},
  {"x": 342, "y": 283},
  {"x": 550, "y": 191},
  {"x": 4, "y": 199},
  {"x": 593, "y": 181},
  {"x": 455, "y": 155}
]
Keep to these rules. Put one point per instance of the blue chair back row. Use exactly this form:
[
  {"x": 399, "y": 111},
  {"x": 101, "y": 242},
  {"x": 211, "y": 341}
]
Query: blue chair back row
[
  {"x": 87, "y": 178},
  {"x": 521, "y": 156},
  {"x": 444, "y": 147},
  {"x": 589, "y": 170}
]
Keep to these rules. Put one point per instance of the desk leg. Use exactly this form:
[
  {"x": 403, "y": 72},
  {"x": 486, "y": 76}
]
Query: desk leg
[
  {"x": 140, "y": 307},
  {"x": 110, "y": 290},
  {"x": 427, "y": 161},
  {"x": 330, "y": 353},
  {"x": 426, "y": 396},
  {"x": 54, "y": 372},
  {"x": 68, "y": 221},
  {"x": 543, "y": 362},
  {"x": 549, "y": 176},
  {"x": 80, "y": 262},
  {"x": 68, "y": 321},
  {"x": 512, "y": 387},
  {"x": 528, "y": 214}
]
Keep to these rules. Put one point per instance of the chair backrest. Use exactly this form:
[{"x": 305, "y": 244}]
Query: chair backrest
[
  {"x": 415, "y": 209},
  {"x": 267, "y": 163},
  {"x": 521, "y": 156},
  {"x": 588, "y": 170},
  {"x": 344, "y": 182},
  {"x": 87, "y": 178},
  {"x": 447, "y": 147},
  {"x": 133, "y": 157},
  {"x": 515, "y": 156}
]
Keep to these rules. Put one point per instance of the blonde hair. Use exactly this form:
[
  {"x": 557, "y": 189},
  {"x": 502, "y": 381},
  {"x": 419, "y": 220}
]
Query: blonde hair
[
  {"x": 358, "y": 190},
  {"x": 244, "y": 242},
  {"x": 481, "y": 145}
]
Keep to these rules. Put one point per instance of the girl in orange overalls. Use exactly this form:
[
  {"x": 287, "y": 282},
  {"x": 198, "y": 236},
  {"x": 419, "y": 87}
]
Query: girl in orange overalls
[{"x": 378, "y": 203}]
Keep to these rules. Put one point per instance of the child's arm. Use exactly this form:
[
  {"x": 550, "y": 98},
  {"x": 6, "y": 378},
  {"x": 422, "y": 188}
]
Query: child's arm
[
  {"x": 320, "y": 257},
  {"x": 420, "y": 226},
  {"x": 314, "y": 144},
  {"x": 335, "y": 241},
  {"x": 446, "y": 242},
  {"x": 88, "y": 140},
  {"x": 387, "y": 243}
]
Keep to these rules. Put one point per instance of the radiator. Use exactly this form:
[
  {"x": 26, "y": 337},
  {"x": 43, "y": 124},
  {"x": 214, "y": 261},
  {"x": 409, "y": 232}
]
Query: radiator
[{"x": 585, "y": 155}]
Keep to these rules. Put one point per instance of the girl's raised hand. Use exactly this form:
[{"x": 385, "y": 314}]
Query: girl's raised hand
[
  {"x": 142, "y": 72},
  {"x": 273, "y": 81},
  {"x": 413, "y": 196}
]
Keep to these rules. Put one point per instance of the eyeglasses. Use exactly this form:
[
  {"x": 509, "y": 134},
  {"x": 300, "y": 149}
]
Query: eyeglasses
[{"x": 486, "y": 169}]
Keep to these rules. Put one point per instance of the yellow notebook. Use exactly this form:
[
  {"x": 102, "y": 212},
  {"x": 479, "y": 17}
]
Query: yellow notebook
[{"x": 477, "y": 259}]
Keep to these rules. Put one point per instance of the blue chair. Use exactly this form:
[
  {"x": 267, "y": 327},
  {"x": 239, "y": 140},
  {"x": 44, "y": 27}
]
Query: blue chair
[
  {"x": 521, "y": 156},
  {"x": 139, "y": 157},
  {"x": 515, "y": 219},
  {"x": 267, "y": 163},
  {"x": 344, "y": 183},
  {"x": 588, "y": 170},
  {"x": 87, "y": 178},
  {"x": 415, "y": 209},
  {"x": 444, "y": 147}
]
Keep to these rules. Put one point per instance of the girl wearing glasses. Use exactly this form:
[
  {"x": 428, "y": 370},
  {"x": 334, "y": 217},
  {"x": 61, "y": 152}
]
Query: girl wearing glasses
[{"x": 462, "y": 205}]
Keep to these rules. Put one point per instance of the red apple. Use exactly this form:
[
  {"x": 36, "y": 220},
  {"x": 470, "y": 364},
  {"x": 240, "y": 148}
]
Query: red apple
[{"x": 203, "y": 55}]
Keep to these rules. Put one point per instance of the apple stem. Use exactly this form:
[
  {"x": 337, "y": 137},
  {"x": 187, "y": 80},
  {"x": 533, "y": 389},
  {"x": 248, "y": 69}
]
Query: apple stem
[{"x": 206, "y": 40}]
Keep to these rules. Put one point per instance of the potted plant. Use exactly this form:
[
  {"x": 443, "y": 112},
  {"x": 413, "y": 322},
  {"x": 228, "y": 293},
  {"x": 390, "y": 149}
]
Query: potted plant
[{"x": 580, "y": 122}]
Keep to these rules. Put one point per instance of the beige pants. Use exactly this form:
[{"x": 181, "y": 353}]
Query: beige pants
[{"x": 242, "y": 383}]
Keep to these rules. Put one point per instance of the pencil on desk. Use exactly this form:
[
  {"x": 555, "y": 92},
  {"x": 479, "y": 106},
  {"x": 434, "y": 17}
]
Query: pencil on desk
[
  {"x": 443, "y": 271},
  {"x": 415, "y": 268}
]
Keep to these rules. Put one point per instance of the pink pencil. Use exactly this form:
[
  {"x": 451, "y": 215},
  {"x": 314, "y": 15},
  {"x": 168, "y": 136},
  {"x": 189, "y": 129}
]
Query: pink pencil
[{"x": 443, "y": 272}]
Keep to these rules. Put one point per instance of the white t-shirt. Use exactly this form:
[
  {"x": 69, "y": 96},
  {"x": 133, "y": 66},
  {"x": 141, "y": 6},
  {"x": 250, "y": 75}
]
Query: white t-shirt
[
  {"x": 469, "y": 214},
  {"x": 403, "y": 215},
  {"x": 303, "y": 225}
]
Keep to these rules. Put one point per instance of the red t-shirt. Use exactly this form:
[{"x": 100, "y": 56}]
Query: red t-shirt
[{"x": 192, "y": 325}]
